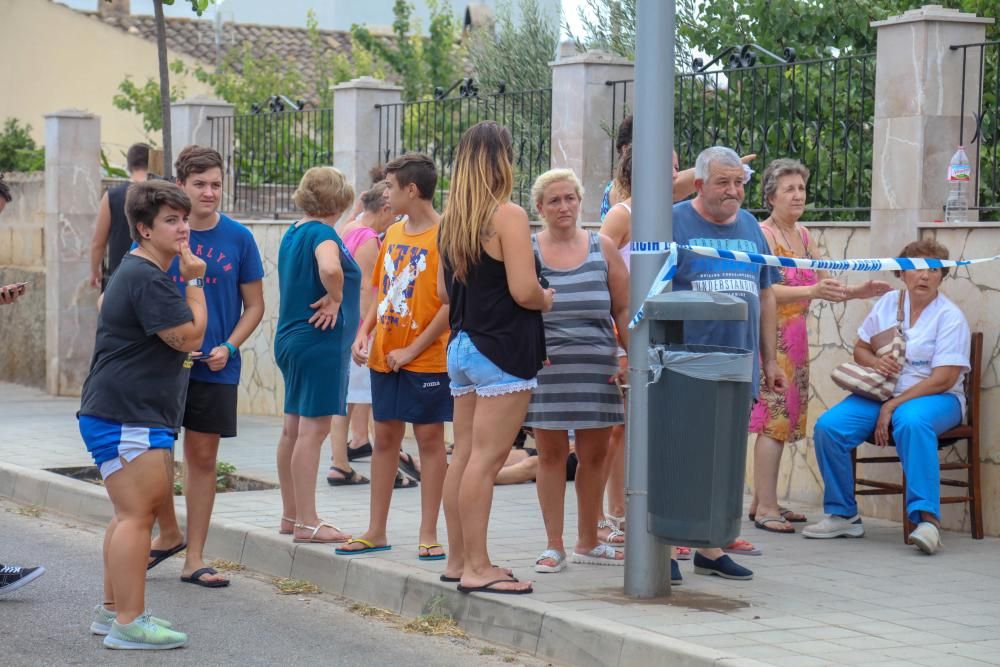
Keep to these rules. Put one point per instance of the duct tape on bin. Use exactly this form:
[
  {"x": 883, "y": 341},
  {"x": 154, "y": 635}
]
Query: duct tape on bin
[{"x": 704, "y": 362}]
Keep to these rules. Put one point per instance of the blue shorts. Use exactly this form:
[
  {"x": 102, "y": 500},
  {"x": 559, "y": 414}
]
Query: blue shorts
[
  {"x": 109, "y": 441},
  {"x": 470, "y": 370},
  {"x": 414, "y": 398}
]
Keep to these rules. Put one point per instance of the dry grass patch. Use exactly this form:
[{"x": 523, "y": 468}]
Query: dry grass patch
[
  {"x": 27, "y": 510},
  {"x": 224, "y": 565},
  {"x": 368, "y": 611},
  {"x": 288, "y": 586}
]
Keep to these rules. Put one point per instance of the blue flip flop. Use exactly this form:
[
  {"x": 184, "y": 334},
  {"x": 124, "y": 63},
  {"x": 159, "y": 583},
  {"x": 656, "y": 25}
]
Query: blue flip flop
[
  {"x": 369, "y": 548},
  {"x": 429, "y": 555}
]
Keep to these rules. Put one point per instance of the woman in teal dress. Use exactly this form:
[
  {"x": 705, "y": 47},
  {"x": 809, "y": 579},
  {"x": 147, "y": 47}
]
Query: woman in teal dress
[{"x": 319, "y": 286}]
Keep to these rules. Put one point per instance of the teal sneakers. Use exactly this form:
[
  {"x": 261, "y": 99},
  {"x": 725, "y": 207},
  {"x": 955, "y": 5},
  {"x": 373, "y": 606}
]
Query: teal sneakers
[
  {"x": 104, "y": 618},
  {"x": 143, "y": 634}
]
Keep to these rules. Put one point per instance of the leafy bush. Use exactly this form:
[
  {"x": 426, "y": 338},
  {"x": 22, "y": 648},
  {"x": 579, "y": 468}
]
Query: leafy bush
[{"x": 18, "y": 151}]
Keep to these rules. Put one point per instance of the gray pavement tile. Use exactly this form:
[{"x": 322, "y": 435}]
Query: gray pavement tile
[
  {"x": 763, "y": 652},
  {"x": 799, "y": 661}
]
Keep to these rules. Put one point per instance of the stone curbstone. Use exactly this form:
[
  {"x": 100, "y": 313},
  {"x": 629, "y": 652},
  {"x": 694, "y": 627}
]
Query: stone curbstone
[
  {"x": 376, "y": 582},
  {"x": 579, "y": 639},
  {"x": 226, "y": 540},
  {"x": 31, "y": 486},
  {"x": 506, "y": 619},
  {"x": 424, "y": 591},
  {"x": 264, "y": 553},
  {"x": 312, "y": 562}
]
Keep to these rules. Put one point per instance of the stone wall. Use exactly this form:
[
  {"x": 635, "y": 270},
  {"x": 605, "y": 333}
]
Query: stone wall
[
  {"x": 262, "y": 391},
  {"x": 832, "y": 333},
  {"x": 22, "y": 258}
]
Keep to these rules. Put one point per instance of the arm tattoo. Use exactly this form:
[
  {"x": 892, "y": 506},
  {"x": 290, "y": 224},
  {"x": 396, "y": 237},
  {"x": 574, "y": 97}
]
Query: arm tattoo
[{"x": 174, "y": 340}]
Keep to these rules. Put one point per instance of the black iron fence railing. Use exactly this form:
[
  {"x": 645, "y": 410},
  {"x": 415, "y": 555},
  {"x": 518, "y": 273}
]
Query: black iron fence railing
[
  {"x": 818, "y": 111},
  {"x": 983, "y": 110},
  {"x": 434, "y": 127},
  {"x": 265, "y": 155}
]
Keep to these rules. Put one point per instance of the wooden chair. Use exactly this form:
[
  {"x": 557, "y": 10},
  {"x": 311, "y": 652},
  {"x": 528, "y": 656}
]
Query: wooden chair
[{"x": 969, "y": 432}]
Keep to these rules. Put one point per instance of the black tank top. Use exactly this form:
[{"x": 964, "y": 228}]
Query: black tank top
[
  {"x": 510, "y": 336},
  {"x": 119, "y": 239}
]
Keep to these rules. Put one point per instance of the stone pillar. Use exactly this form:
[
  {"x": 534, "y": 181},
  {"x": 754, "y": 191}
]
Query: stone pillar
[
  {"x": 581, "y": 120},
  {"x": 356, "y": 127},
  {"x": 918, "y": 93},
  {"x": 189, "y": 121},
  {"x": 72, "y": 193}
]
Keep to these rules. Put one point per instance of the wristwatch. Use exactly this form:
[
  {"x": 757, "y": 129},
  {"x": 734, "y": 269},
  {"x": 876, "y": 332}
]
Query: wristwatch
[{"x": 196, "y": 282}]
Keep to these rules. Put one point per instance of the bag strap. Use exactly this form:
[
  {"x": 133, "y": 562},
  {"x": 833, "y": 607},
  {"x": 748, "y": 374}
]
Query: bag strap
[{"x": 900, "y": 315}]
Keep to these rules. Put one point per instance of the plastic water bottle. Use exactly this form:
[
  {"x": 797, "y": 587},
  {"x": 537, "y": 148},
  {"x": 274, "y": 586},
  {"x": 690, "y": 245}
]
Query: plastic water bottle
[{"x": 956, "y": 207}]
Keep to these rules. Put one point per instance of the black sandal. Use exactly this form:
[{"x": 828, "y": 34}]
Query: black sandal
[
  {"x": 404, "y": 482},
  {"x": 354, "y": 453},
  {"x": 349, "y": 478},
  {"x": 407, "y": 465}
]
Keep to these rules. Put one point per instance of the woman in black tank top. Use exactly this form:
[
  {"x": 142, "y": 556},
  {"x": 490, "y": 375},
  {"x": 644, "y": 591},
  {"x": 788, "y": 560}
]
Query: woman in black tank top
[{"x": 497, "y": 343}]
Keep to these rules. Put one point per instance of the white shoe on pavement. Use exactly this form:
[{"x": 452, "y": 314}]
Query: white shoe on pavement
[
  {"x": 835, "y": 526},
  {"x": 927, "y": 537}
]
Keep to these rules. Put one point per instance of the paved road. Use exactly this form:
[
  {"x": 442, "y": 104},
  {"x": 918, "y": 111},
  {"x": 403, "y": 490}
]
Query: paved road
[{"x": 46, "y": 622}]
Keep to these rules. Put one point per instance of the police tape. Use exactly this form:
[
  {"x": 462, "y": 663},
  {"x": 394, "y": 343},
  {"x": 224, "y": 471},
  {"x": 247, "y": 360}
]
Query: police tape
[{"x": 669, "y": 268}]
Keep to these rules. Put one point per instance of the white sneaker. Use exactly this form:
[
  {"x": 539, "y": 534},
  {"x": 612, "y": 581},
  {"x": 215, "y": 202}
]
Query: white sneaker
[
  {"x": 927, "y": 537},
  {"x": 835, "y": 526}
]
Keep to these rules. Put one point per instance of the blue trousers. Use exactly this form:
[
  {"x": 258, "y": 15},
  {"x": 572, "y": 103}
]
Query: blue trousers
[{"x": 915, "y": 427}]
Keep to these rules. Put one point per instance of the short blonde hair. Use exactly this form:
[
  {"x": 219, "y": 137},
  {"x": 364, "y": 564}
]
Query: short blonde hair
[
  {"x": 322, "y": 192},
  {"x": 551, "y": 177}
]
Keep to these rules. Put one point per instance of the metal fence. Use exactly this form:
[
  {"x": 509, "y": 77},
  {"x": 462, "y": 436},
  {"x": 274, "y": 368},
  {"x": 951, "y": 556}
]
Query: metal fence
[
  {"x": 818, "y": 111},
  {"x": 265, "y": 155},
  {"x": 434, "y": 127},
  {"x": 984, "y": 128}
]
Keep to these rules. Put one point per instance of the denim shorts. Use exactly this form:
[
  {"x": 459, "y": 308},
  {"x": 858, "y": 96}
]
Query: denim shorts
[{"x": 470, "y": 370}]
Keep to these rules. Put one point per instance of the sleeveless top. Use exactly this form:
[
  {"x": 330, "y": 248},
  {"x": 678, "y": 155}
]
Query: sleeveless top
[
  {"x": 119, "y": 239},
  {"x": 510, "y": 336},
  {"x": 357, "y": 237},
  {"x": 573, "y": 391},
  {"x": 626, "y": 250}
]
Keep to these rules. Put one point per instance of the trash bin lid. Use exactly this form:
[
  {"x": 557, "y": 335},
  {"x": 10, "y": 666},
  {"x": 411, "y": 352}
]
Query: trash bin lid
[{"x": 686, "y": 305}]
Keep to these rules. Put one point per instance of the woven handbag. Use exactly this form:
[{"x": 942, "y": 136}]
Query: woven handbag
[{"x": 867, "y": 382}]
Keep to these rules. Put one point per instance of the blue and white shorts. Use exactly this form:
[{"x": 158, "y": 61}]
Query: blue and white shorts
[{"x": 109, "y": 441}]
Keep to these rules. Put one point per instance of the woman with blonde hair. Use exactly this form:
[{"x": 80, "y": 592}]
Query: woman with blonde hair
[
  {"x": 487, "y": 275},
  {"x": 319, "y": 285},
  {"x": 577, "y": 389}
]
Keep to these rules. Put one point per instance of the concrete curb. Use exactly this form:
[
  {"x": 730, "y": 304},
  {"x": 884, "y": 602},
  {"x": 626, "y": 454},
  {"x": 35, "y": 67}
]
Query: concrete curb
[{"x": 534, "y": 627}]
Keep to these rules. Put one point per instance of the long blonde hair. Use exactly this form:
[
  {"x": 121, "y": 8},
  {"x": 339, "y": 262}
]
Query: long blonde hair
[{"x": 482, "y": 179}]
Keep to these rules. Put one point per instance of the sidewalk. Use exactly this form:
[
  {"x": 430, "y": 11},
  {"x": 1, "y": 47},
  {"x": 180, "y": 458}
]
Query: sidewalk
[{"x": 841, "y": 602}]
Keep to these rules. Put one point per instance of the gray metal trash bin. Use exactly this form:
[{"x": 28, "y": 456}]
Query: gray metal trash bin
[{"x": 699, "y": 411}]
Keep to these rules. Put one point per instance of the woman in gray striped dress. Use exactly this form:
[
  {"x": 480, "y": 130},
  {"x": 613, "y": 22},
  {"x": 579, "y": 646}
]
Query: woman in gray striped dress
[{"x": 577, "y": 389}]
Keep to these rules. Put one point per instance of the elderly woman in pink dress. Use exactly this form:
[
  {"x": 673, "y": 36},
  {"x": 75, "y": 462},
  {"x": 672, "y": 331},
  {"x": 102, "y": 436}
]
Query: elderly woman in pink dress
[{"x": 780, "y": 416}]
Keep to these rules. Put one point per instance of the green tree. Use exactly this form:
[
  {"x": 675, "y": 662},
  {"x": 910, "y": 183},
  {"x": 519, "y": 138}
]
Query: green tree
[
  {"x": 421, "y": 64},
  {"x": 144, "y": 99},
  {"x": 18, "y": 151},
  {"x": 515, "y": 53}
]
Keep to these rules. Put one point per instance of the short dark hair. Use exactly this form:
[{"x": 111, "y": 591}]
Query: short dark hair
[
  {"x": 196, "y": 160},
  {"x": 624, "y": 136},
  {"x": 415, "y": 168},
  {"x": 5, "y": 190},
  {"x": 137, "y": 157},
  {"x": 143, "y": 202},
  {"x": 927, "y": 249}
]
